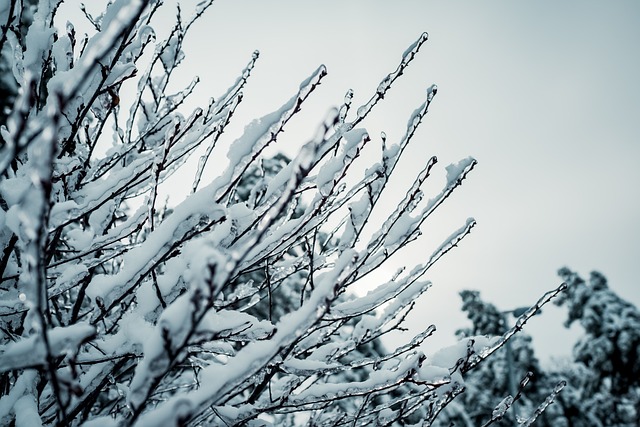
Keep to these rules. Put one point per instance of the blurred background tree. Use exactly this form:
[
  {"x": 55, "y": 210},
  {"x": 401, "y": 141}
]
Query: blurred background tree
[{"x": 603, "y": 374}]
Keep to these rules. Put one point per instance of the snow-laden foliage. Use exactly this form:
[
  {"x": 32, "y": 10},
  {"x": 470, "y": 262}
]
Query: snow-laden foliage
[
  {"x": 233, "y": 307},
  {"x": 601, "y": 386},
  {"x": 509, "y": 388},
  {"x": 606, "y": 372}
]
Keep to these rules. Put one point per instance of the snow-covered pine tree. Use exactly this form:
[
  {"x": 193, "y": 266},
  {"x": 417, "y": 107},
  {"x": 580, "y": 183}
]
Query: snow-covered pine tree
[
  {"x": 606, "y": 374},
  {"x": 113, "y": 314},
  {"x": 602, "y": 379}
]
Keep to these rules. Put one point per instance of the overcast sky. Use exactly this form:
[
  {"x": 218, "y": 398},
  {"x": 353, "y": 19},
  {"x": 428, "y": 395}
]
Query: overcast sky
[{"x": 545, "y": 95}]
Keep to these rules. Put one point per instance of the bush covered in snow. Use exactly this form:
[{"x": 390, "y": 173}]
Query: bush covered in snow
[{"x": 231, "y": 308}]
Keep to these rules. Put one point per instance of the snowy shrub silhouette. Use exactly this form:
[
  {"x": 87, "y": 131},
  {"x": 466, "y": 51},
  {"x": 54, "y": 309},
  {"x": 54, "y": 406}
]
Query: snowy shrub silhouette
[{"x": 113, "y": 314}]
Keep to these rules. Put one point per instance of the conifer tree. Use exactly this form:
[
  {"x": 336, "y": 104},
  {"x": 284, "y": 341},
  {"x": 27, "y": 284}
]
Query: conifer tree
[{"x": 608, "y": 354}]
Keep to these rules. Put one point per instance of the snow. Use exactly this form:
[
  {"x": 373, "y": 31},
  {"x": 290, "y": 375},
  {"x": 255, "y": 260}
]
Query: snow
[
  {"x": 401, "y": 229},
  {"x": 238, "y": 324},
  {"x": 259, "y": 132},
  {"x": 31, "y": 350},
  {"x": 413, "y": 48},
  {"x": 359, "y": 208},
  {"x": 368, "y": 302},
  {"x": 132, "y": 51},
  {"x": 433, "y": 373},
  {"x": 14, "y": 219},
  {"x": 13, "y": 190},
  {"x": 325, "y": 179},
  {"x": 384, "y": 85},
  {"x": 80, "y": 239},
  {"x": 171, "y": 53},
  {"x": 257, "y": 129},
  {"x": 390, "y": 153},
  {"x": 502, "y": 407},
  {"x": 449, "y": 358},
  {"x": 101, "y": 216},
  {"x": 172, "y": 325},
  {"x": 115, "y": 20},
  {"x": 26, "y": 409},
  {"x": 23, "y": 386},
  {"x": 39, "y": 38},
  {"x": 71, "y": 274},
  {"x": 378, "y": 380},
  {"x": 182, "y": 218},
  {"x": 402, "y": 296},
  {"x": 308, "y": 366},
  {"x": 120, "y": 72},
  {"x": 134, "y": 331},
  {"x": 354, "y": 140},
  {"x": 457, "y": 171}
]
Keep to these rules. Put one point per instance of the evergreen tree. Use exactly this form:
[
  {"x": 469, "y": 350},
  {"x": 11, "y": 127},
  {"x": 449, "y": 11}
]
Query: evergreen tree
[
  {"x": 602, "y": 378},
  {"x": 608, "y": 354},
  {"x": 501, "y": 375}
]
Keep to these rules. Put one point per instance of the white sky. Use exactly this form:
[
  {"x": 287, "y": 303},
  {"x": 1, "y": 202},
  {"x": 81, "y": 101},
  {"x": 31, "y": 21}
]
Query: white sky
[{"x": 545, "y": 95}]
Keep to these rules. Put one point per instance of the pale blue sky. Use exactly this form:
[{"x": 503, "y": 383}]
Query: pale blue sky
[{"x": 544, "y": 94}]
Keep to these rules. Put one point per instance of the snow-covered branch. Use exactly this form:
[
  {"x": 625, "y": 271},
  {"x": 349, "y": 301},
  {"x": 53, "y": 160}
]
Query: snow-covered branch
[{"x": 233, "y": 306}]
